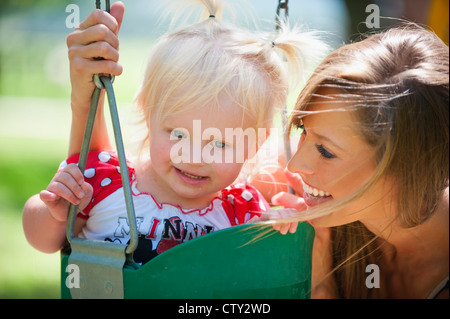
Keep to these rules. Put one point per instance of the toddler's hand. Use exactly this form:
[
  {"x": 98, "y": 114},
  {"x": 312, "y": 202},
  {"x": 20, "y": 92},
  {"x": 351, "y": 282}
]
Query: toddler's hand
[
  {"x": 67, "y": 186},
  {"x": 96, "y": 37},
  {"x": 284, "y": 219},
  {"x": 290, "y": 200}
]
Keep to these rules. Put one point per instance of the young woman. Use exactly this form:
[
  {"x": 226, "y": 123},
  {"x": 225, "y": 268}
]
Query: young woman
[{"x": 373, "y": 164}]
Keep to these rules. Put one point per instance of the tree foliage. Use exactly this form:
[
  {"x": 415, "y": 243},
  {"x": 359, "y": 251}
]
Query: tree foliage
[{"x": 17, "y": 5}]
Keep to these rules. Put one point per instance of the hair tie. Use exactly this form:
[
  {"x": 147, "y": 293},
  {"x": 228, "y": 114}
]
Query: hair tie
[
  {"x": 212, "y": 16},
  {"x": 273, "y": 44}
]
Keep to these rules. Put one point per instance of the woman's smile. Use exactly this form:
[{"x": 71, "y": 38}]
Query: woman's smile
[{"x": 314, "y": 196}]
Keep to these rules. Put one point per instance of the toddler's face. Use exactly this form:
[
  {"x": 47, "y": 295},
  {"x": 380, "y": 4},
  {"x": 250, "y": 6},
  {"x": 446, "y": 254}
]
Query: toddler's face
[{"x": 197, "y": 153}]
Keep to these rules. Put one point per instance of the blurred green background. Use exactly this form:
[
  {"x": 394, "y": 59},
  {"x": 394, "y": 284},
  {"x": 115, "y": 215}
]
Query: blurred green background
[{"x": 35, "y": 105}]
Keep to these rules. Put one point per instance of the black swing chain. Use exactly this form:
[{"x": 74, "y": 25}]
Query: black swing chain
[
  {"x": 282, "y": 5},
  {"x": 98, "y": 5}
]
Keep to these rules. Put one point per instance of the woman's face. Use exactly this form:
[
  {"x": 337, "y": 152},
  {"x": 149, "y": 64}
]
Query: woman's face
[{"x": 334, "y": 161}]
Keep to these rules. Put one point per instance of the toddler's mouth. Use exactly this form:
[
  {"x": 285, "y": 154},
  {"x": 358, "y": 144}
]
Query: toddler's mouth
[{"x": 197, "y": 177}]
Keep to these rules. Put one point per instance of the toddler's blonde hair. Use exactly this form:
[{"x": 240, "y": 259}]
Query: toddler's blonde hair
[{"x": 196, "y": 65}]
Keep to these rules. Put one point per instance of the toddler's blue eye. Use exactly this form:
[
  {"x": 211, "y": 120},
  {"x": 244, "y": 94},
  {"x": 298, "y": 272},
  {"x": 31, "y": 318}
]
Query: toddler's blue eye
[
  {"x": 219, "y": 144},
  {"x": 178, "y": 134}
]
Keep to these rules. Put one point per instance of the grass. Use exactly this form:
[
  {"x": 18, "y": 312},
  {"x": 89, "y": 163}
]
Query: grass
[
  {"x": 25, "y": 169},
  {"x": 25, "y": 273},
  {"x": 34, "y": 130}
]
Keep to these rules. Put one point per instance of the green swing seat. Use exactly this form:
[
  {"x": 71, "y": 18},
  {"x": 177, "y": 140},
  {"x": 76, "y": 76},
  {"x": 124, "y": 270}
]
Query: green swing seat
[{"x": 231, "y": 263}]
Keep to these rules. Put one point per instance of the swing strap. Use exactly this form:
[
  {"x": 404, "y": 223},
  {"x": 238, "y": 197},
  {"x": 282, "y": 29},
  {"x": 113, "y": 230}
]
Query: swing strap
[{"x": 101, "y": 263}]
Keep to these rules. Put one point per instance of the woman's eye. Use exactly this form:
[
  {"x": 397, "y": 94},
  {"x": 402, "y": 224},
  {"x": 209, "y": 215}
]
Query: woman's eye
[
  {"x": 301, "y": 128},
  {"x": 324, "y": 152},
  {"x": 303, "y": 131},
  {"x": 178, "y": 134}
]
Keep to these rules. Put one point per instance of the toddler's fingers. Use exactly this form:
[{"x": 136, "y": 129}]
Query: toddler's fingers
[
  {"x": 92, "y": 34},
  {"x": 281, "y": 218},
  {"x": 58, "y": 208},
  {"x": 277, "y": 226},
  {"x": 83, "y": 66},
  {"x": 88, "y": 190},
  {"x": 289, "y": 201},
  {"x": 295, "y": 181},
  {"x": 73, "y": 171},
  {"x": 255, "y": 219},
  {"x": 48, "y": 197},
  {"x": 285, "y": 228},
  {"x": 68, "y": 184},
  {"x": 64, "y": 192},
  {"x": 118, "y": 11},
  {"x": 93, "y": 50},
  {"x": 101, "y": 50},
  {"x": 293, "y": 227},
  {"x": 101, "y": 17}
]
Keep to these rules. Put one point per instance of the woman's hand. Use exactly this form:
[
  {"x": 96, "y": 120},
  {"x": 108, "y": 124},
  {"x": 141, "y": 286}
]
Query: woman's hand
[
  {"x": 67, "y": 186},
  {"x": 96, "y": 37}
]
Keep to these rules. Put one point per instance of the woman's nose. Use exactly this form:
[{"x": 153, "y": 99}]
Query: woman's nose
[{"x": 301, "y": 162}]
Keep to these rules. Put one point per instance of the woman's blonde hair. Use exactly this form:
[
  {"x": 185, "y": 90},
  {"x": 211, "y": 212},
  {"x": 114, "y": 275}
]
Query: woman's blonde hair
[
  {"x": 396, "y": 83},
  {"x": 197, "y": 64}
]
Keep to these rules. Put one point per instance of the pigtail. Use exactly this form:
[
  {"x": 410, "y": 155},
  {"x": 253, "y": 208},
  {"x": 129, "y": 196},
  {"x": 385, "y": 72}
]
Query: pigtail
[
  {"x": 184, "y": 9},
  {"x": 303, "y": 51},
  {"x": 213, "y": 8}
]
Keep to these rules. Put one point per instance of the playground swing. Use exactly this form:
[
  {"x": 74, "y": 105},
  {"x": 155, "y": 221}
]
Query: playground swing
[{"x": 244, "y": 261}]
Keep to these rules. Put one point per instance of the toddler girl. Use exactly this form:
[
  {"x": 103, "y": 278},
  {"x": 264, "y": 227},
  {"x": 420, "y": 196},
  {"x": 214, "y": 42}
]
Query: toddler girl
[{"x": 208, "y": 99}]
